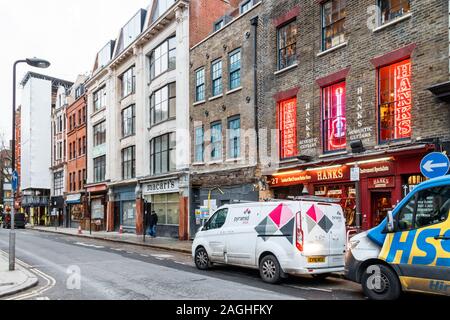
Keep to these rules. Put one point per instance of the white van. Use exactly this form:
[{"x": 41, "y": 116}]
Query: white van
[{"x": 306, "y": 236}]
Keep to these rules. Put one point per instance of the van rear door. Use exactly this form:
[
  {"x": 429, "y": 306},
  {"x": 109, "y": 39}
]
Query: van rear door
[{"x": 323, "y": 227}]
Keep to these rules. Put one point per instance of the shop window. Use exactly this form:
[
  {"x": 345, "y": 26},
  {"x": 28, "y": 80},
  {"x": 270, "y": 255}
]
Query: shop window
[
  {"x": 393, "y": 9},
  {"x": 410, "y": 182},
  {"x": 167, "y": 208},
  {"x": 287, "y": 45},
  {"x": 395, "y": 101},
  {"x": 77, "y": 212},
  {"x": 129, "y": 214},
  {"x": 333, "y": 23},
  {"x": 347, "y": 195},
  {"x": 287, "y": 126},
  {"x": 334, "y": 117}
]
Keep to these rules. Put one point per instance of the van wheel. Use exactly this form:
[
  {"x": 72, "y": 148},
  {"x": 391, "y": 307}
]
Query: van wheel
[
  {"x": 321, "y": 276},
  {"x": 202, "y": 261},
  {"x": 270, "y": 269},
  {"x": 382, "y": 285}
]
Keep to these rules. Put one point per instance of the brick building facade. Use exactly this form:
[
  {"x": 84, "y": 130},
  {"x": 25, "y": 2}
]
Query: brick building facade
[
  {"x": 75, "y": 196},
  {"x": 222, "y": 114},
  {"x": 351, "y": 88}
]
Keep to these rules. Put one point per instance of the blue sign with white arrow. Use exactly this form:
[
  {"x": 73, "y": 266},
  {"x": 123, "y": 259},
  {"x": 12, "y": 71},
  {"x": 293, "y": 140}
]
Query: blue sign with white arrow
[
  {"x": 435, "y": 165},
  {"x": 14, "y": 181}
]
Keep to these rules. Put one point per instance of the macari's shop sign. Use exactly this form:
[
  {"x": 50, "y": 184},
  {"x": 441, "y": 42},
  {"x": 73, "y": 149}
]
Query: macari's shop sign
[{"x": 332, "y": 174}]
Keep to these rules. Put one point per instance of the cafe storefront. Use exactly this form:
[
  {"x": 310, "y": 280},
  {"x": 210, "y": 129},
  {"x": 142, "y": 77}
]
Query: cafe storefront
[
  {"x": 75, "y": 211},
  {"x": 383, "y": 182}
]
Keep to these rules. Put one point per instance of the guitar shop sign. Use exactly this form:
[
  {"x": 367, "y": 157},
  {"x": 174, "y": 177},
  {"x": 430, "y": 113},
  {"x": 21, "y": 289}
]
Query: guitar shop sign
[
  {"x": 334, "y": 174},
  {"x": 161, "y": 187}
]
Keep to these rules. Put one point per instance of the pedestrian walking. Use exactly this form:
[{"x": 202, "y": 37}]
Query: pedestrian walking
[{"x": 153, "y": 222}]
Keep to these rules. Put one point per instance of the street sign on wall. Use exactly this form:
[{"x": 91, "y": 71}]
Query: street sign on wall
[{"x": 435, "y": 165}]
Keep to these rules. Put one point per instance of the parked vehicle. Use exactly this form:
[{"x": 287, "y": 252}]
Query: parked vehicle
[
  {"x": 19, "y": 221},
  {"x": 306, "y": 236},
  {"x": 410, "y": 250}
]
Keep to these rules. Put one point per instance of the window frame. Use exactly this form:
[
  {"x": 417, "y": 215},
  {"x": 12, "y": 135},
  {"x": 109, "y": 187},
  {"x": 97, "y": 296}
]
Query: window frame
[
  {"x": 171, "y": 52},
  {"x": 217, "y": 77},
  {"x": 128, "y": 82},
  {"x": 279, "y": 29},
  {"x": 171, "y": 147},
  {"x": 324, "y": 125},
  {"x": 99, "y": 166},
  {"x": 234, "y": 70},
  {"x": 231, "y": 136},
  {"x": 126, "y": 121},
  {"x": 128, "y": 163},
  {"x": 171, "y": 96},
  {"x": 332, "y": 23},
  {"x": 199, "y": 145},
  {"x": 200, "y": 87},
  {"x": 99, "y": 135},
  {"x": 380, "y": 8},
  {"x": 216, "y": 145},
  {"x": 99, "y": 97},
  {"x": 245, "y": 4}
]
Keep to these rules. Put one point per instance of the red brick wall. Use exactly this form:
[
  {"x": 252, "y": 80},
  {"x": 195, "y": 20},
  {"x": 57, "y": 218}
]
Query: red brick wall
[
  {"x": 203, "y": 14},
  {"x": 78, "y": 132}
]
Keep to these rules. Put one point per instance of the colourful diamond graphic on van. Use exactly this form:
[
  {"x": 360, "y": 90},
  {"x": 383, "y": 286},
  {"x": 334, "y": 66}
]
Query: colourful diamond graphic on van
[
  {"x": 315, "y": 213},
  {"x": 288, "y": 230},
  {"x": 266, "y": 228},
  {"x": 326, "y": 224},
  {"x": 281, "y": 215}
]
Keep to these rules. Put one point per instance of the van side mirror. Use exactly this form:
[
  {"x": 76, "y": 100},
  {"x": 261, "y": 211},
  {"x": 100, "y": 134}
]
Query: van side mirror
[{"x": 390, "y": 223}]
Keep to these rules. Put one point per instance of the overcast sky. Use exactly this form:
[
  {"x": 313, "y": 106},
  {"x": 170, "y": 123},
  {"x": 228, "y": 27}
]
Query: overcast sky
[{"x": 67, "y": 33}]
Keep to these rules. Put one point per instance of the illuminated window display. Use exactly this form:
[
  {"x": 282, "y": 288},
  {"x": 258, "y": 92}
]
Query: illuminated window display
[
  {"x": 287, "y": 117},
  {"x": 347, "y": 194},
  {"x": 395, "y": 101},
  {"x": 334, "y": 120}
]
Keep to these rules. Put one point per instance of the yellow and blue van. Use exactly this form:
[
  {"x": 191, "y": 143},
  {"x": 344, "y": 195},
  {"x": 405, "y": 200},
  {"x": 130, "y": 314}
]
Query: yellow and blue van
[{"x": 409, "y": 250}]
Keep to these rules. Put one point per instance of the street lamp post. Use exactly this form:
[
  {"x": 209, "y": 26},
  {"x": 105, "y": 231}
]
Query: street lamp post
[{"x": 38, "y": 63}]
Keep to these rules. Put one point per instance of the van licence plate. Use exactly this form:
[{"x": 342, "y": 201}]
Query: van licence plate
[{"x": 316, "y": 259}]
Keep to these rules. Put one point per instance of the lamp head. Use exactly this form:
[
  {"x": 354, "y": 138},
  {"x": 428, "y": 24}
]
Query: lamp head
[{"x": 38, "y": 63}]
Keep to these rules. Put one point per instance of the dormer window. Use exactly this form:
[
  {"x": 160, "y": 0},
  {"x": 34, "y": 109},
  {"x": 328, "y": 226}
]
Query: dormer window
[
  {"x": 161, "y": 7},
  {"x": 245, "y": 6},
  {"x": 132, "y": 29},
  {"x": 219, "y": 25}
]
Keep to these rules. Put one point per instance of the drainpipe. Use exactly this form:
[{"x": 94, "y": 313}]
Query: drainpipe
[{"x": 254, "y": 22}]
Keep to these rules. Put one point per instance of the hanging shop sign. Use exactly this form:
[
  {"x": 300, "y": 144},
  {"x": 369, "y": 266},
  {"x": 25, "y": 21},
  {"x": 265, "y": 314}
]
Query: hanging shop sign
[
  {"x": 383, "y": 182},
  {"x": 161, "y": 187}
]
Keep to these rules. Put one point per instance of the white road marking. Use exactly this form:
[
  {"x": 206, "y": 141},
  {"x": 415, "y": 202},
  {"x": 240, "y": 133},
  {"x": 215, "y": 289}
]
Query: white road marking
[
  {"x": 308, "y": 288},
  {"x": 145, "y": 256},
  {"x": 162, "y": 256},
  {"x": 184, "y": 264},
  {"x": 88, "y": 245},
  {"x": 115, "y": 249}
]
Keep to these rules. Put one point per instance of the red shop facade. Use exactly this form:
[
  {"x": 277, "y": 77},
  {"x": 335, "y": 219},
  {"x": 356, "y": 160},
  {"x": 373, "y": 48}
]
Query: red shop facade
[{"x": 384, "y": 181}]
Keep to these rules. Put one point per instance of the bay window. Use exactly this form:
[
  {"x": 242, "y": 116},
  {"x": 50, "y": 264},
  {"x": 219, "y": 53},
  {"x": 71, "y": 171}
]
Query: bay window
[
  {"x": 334, "y": 117},
  {"x": 395, "y": 101},
  {"x": 287, "y": 126},
  {"x": 333, "y": 23},
  {"x": 287, "y": 45}
]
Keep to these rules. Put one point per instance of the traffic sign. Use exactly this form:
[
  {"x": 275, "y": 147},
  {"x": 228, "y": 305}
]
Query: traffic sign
[
  {"x": 14, "y": 181},
  {"x": 435, "y": 165}
]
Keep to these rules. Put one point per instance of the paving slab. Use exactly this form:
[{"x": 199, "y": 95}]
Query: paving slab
[{"x": 13, "y": 282}]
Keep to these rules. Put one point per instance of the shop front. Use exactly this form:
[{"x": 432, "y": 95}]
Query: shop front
[
  {"x": 125, "y": 210},
  {"x": 163, "y": 196},
  {"x": 57, "y": 210},
  {"x": 381, "y": 184},
  {"x": 97, "y": 216},
  {"x": 75, "y": 211}
]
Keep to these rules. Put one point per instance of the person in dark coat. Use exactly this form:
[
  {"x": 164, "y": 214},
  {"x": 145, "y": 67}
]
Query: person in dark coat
[{"x": 153, "y": 222}]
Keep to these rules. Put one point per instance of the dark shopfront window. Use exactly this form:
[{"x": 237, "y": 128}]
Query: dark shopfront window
[
  {"x": 409, "y": 182},
  {"x": 347, "y": 194}
]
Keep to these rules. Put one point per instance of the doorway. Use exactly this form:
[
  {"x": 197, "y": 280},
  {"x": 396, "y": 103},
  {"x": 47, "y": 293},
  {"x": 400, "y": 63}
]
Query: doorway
[{"x": 381, "y": 204}]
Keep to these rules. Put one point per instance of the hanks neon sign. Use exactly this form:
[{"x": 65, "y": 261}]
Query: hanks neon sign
[
  {"x": 288, "y": 128},
  {"x": 403, "y": 100}
]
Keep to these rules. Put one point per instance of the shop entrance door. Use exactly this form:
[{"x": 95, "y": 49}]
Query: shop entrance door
[
  {"x": 381, "y": 204},
  {"x": 117, "y": 221}
]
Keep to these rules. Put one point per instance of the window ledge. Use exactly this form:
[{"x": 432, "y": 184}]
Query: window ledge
[
  {"x": 295, "y": 65},
  {"x": 234, "y": 160},
  {"x": 395, "y": 21},
  {"x": 287, "y": 161},
  {"x": 215, "y": 162},
  {"x": 234, "y": 90},
  {"x": 322, "y": 53},
  {"x": 98, "y": 112},
  {"x": 199, "y": 103},
  {"x": 332, "y": 154},
  {"x": 216, "y": 97},
  {"x": 393, "y": 143},
  {"x": 198, "y": 164},
  {"x": 127, "y": 137}
]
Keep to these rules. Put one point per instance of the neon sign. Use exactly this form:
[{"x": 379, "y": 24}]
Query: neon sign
[
  {"x": 334, "y": 115},
  {"x": 403, "y": 97},
  {"x": 288, "y": 128}
]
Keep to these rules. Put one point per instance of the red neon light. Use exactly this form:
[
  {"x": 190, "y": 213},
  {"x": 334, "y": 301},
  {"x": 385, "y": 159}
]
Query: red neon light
[
  {"x": 288, "y": 128},
  {"x": 335, "y": 118},
  {"x": 403, "y": 98}
]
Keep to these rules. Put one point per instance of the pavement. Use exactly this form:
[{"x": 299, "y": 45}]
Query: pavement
[
  {"x": 156, "y": 243},
  {"x": 13, "y": 282}
]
